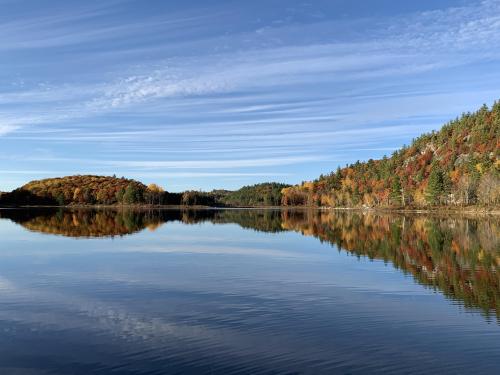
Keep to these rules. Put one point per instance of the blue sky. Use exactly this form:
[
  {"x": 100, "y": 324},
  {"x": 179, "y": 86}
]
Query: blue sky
[{"x": 219, "y": 94}]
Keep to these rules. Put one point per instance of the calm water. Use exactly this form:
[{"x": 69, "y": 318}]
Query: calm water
[{"x": 247, "y": 291}]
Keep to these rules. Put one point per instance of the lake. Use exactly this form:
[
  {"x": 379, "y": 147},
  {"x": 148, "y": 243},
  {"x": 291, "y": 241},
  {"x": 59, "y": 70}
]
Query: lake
[{"x": 247, "y": 291}]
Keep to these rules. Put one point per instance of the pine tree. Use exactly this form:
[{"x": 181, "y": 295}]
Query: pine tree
[
  {"x": 396, "y": 190},
  {"x": 435, "y": 186}
]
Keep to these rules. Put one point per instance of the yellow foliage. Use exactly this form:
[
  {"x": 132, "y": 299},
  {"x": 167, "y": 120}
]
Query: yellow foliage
[
  {"x": 155, "y": 188},
  {"x": 308, "y": 186}
]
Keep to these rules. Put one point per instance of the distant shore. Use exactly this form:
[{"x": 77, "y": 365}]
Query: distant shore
[{"x": 468, "y": 210}]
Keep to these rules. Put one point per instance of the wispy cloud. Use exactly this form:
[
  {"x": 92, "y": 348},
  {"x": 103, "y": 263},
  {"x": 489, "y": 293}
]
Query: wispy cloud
[
  {"x": 5, "y": 129},
  {"x": 424, "y": 42},
  {"x": 212, "y": 164},
  {"x": 229, "y": 94}
]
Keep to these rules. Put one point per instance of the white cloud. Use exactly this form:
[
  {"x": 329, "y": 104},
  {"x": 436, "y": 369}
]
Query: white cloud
[
  {"x": 203, "y": 164},
  {"x": 5, "y": 129},
  {"x": 420, "y": 43},
  {"x": 246, "y": 99},
  {"x": 211, "y": 174}
]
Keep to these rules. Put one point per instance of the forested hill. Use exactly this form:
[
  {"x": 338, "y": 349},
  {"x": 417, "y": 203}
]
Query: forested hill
[
  {"x": 265, "y": 194},
  {"x": 458, "y": 165},
  {"x": 258, "y": 195},
  {"x": 80, "y": 189},
  {"x": 104, "y": 190}
]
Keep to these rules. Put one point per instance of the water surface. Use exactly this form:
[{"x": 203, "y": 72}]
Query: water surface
[{"x": 247, "y": 291}]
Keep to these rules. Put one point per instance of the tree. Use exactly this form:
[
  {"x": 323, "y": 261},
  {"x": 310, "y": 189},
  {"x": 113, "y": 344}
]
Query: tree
[
  {"x": 102, "y": 197},
  {"x": 78, "y": 195},
  {"x": 119, "y": 195},
  {"x": 435, "y": 186},
  {"x": 60, "y": 199},
  {"x": 488, "y": 190},
  {"x": 464, "y": 189},
  {"x": 154, "y": 194},
  {"x": 131, "y": 195},
  {"x": 88, "y": 197},
  {"x": 447, "y": 186},
  {"x": 397, "y": 192}
]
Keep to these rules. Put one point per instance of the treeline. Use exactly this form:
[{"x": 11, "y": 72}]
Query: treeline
[
  {"x": 260, "y": 195},
  {"x": 103, "y": 190},
  {"x": 80, "y": 190},
  {"x": 458, "y": 165}
]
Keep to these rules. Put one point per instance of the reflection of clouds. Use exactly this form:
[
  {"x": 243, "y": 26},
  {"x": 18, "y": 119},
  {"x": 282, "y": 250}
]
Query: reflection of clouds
[
  {"x": 5, "y": 285},
  {"x": 203, "y": 249},
  {"x": 227, "y": 328},
  {"x": 69, "y": 313},
  {"x": 207, "y": 335}
]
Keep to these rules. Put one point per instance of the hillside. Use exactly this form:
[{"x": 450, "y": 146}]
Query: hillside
[
  {"x": 103, "y": 190},
  {"x": 265, "y": 194},
  {"x": 258, "y": 195},
  {"x": 458, "y": 165},
  {"x": 80, "y": 189}
]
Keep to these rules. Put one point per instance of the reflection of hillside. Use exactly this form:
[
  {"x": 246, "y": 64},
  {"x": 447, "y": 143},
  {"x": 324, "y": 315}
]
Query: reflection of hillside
[
  {"x": 116, "y": 222},
  {"x": 458, "y": 257},
  {"x": 83, "y": 223},
  {"x": 259, "y": 220}
]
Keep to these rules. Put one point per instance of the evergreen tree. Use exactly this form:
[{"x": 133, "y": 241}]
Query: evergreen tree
[
  {"x": 131, "y": 194},
  {"x": 435, "y": 186},
  {"x": 396, "y": 190}
]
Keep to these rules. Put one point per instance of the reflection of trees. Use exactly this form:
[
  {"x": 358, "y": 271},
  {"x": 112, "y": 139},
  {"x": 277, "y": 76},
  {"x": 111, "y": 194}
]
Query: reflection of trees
[
  {"x": 459, "y": 257},
  {"x": 83, "y": 222},
  {"x": 260, "y": 220}
]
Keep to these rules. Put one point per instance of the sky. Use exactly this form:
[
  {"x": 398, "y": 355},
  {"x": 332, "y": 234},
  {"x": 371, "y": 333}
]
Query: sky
[{"x": 220, "y": 94}]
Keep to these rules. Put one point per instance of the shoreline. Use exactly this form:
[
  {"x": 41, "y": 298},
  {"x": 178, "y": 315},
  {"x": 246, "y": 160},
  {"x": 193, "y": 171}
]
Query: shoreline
[{"x": 471, "y": 210}]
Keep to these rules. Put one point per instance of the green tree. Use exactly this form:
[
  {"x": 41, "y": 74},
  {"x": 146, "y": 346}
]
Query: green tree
[
  {"x": 435, "y": 186},
  {"x": 396, "y": 190},
  {"x": 131, "y": 194},
  {"x": 447, "y": 186},
  {"x": 60, "y": 199},
  {"x": 119, "y": 195}
]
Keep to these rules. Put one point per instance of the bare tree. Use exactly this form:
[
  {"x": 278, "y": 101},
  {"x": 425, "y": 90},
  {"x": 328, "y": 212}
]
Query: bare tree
[
  {"x": 465, "y": 189},
  {"x": 488, "y": 190}
]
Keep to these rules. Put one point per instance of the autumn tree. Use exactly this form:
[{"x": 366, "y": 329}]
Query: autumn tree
[
  {"x": 154, "y": 194},
  {"x": 464, "y": 189}
]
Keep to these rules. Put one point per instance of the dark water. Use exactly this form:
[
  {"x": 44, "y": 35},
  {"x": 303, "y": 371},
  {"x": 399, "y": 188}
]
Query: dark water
[{"x": 247, "y": 291}]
